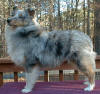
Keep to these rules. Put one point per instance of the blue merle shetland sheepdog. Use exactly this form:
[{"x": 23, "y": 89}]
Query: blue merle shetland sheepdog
[{"x": 33, "y": 48}]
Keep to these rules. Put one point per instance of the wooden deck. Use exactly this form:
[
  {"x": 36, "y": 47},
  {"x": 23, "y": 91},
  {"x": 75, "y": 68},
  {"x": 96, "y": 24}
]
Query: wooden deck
[
  {"x": 66, "y": 87},
  {"x": 6, "y": 65}
]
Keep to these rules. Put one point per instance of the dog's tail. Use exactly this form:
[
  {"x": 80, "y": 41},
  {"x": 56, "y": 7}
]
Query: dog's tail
[
  {"x": 94, "y": 54},
  {"x": 91, "y": 53}
]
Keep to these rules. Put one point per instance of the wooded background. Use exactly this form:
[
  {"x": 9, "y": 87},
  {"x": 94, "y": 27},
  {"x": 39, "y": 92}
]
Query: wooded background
[{"x": 83, "y": 15}]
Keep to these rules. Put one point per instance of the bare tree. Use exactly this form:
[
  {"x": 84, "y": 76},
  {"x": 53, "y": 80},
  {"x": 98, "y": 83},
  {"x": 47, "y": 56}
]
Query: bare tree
[
  {"x": 59, "y": 16},
  {"x": 88, "y": 18},
  {"x": 84, "y": 10},
  {"x": 97, "y": 26}
]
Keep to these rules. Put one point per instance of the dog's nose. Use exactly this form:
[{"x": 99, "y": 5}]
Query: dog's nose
[{"x": 8, "y": 20}]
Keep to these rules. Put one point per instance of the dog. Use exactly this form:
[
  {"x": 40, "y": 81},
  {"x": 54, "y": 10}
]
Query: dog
[{"x": 31, "y": 47}]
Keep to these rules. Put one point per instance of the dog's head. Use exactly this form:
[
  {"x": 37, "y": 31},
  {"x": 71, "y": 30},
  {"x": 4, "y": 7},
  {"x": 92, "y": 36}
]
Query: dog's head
[{"x": 21, "y": 18}]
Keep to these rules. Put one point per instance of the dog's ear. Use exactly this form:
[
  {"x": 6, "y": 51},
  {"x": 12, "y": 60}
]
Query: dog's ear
[
  {"x": 31, "y": 12},
  {"x": 15, "y": 8}
]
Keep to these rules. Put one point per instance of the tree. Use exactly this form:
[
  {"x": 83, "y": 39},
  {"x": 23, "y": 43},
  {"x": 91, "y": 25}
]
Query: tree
[
  {"x": 59, "y": 16},
  {"x": 97, "y": 26},
  {"x": 88, "y": 20}
]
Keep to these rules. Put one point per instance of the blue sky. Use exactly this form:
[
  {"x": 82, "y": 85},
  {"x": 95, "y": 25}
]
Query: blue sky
[{"x": 63, "y": 4}]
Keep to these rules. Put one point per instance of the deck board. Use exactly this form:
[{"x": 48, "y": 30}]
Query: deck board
[{"x": 68, "y": 87}]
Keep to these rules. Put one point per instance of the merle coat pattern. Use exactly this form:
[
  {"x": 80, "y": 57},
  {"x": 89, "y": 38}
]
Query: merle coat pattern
[{"x": 31, "y": 47}]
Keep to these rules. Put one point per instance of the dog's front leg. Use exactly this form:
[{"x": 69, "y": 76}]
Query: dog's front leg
[{"x": 31, "y": 78}]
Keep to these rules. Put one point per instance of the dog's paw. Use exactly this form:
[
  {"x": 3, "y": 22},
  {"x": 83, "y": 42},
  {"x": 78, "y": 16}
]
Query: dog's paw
[
  {"x": 89, "y": 88},
  {"x": 26, "y": 90}
]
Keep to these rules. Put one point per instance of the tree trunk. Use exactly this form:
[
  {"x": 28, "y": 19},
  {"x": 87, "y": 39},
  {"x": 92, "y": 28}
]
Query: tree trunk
[
  {"x": 88, "y": 20},
  {"x": 84, "y": 10},
  {"x": 50, "y": 14},
  {"x": 97, "y": 26},
  {"x": 59, "y": 17}
]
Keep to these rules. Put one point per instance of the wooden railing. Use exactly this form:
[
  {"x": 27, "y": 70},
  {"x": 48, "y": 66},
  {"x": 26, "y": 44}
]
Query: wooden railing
[{"x": 6, "y": 65}]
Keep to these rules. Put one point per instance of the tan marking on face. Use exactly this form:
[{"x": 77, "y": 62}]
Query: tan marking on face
[{"x": 20, "y": 15}]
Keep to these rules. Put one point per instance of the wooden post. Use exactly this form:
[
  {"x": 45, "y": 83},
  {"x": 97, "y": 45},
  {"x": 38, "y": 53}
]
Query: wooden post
[
  {"x": 76, "y": 75},
  {"x": 1, "y": 78},
  {"x": 46, "y": 76},
  {"x": 61, "y": 78},
  {"x": 15, "y": 76}
]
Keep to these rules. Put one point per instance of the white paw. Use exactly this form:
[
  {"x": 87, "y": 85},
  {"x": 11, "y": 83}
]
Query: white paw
[
  {"x": 86, "y": 83},
  {"x": 89, "y": 88},
  {"x": 26, "y": 90}
]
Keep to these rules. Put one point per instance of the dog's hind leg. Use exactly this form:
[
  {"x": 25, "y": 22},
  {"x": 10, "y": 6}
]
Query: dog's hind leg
[
  {"x": 91, "y": 78},
  {"x": 86, "y": 64},
  {"x": 31, "y": 78}
]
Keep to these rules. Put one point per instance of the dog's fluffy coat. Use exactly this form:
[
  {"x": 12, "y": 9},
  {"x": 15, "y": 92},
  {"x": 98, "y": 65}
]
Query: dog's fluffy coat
[{"x": 31, "y": 47}]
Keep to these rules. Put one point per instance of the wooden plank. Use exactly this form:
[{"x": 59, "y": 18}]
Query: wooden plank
[
  {"x": 15, "y": 76},
  {"x": 76, "y": 75},
  {"x": 10, "y": 67},
  {"x": 46, "y": 76},
  {"x": 61, "y": 78},
  {"x": 1, "y": 78},
  {"x": 98, "y": 57}
]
